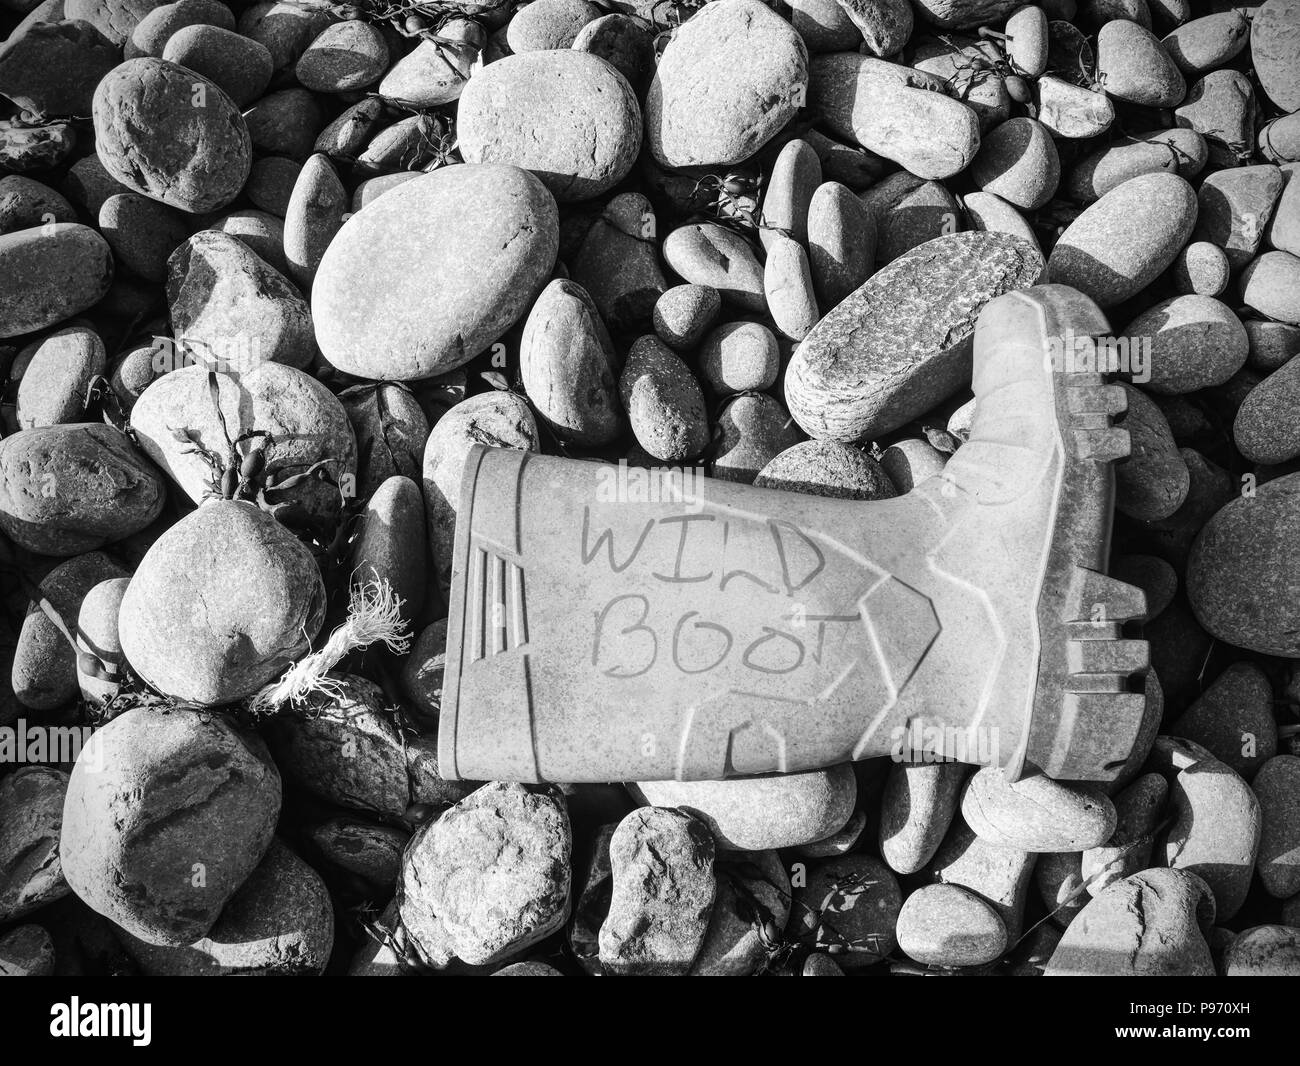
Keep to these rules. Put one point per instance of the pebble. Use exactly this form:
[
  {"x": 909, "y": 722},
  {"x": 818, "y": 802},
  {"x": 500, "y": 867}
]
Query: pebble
[
  {"x": 1000, "y": 875},
  {"x": 848, "y": 907},
  {"x": 26, "y": 951},
  {"x": 1151, "y": 924},
  {"x": 684, "y": 314},
  {"x": 502, "y": 419},
  {"x": 568, "y": 366},
  {"x": 1058, "y": 875},
  {"x": 567, "y": 116},
  {"x": 899, "y": 345},
  {"x": 753, "y": 889},
  {"x": 949, "y": 926},
  {"x": 841, "y": 243},
  {"x": 906, "y": 212},
  {"x": 346, "y": 56},
  {"x": 44, "y": 671},
  {"x": 876, "y": 104},
  {"x": 1216, "y": 829},
  {"x": 1191, "y": 342},
  {"x": 1201, "y": 269},
  {"x": 143, "y": 108},
  {"x": 916, "y": 810},
  {"x": 1201, "y": 45},
  {"x": 625, "y": 42},
  {"x": 239, "y": 66},
  {"x": 346, "y": 749},
  {"x": 728, "y": 80},
  {"x": 31, "y": 820},
  {"x": 103, "y": 489},
  {"x": 280, "y": 923},
  {"x": 389, "y": 543},
  {"x": 826, "y": 468},
  {"x": 549, "y": 24},
  {"x": 489, "y": 878},
  {"x": 1221, "y": 107},
  {"x": 1275, "y": 52},
  {"x": 424, "y": 669},
  {"x": 51, "y": 377},
  {"x": 618, "y": 267},
  {"x": 1138, "y": 808},
  {"x": 261, "y": 231},
  {"x": 788, "y": 288},
  {"x": 1234, "y": 209},
  {"x": 1260, "y": 430},
  {"x": 271, "y": 604},
  {"x": 1129, "y": 157},
  {"x": 765, "y": 812},
  {"x": 52, "y": 69},
  {"x": 390, "y": 430},
  {"x": 662, "y": 896},
  {"x": 705, "y": 253},
  {"x": 432, "y": 75},
  {"x": 156, "y": 28},
  {"x": 1155, "y": 481},
  {"x": 985, "y": 213},
  {"x": 25, "y": 203},
  {"x": 285, "y": 123},
  {"x": 1264, "y": 951},
  {"x": 97, "y": 635},
  {"x": 285, "y": 28},
  {"x": 787, "y": 196},
  {"x": 142, "y": 233},
  {"x": 485, "y": 236},
  {"x": 739, "y": 357},
  {"x": 53, "y": 272},
  {"x": 1071, "y": 111},
  {"x": 1277, "y": 787},
  {"x": 1035, "y": 813},
  {"x": 312, "y": 219},
  {"x": 1134, "y": 68},
  {"x": 663, "y": 402},
  {"x": 1272, "y": 344},
  {"x": 271, "y": 182},
  {"x": 1126, "y": 239},
  {"x": 750, "y": 432},
  {"x": 1270, "y": 286},
  {"x": 1018, "y": 162},
  {"x": 157, "y": 797},
  {"x": 1240, "y": 573}
]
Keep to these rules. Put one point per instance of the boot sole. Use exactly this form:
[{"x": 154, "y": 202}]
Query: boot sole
[{"x": 1088, "y": 697}]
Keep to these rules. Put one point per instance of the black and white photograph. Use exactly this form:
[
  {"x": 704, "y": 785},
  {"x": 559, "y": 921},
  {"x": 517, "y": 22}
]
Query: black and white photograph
[{"x": 646, "y": 488}]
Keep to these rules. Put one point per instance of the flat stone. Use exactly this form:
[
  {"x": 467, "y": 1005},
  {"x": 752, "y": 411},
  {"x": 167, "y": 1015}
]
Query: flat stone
[{"x": 760, "y": 813}]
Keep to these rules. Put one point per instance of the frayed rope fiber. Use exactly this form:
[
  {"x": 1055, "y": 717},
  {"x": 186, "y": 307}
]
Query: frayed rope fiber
[{"x": 374, "y": 614}]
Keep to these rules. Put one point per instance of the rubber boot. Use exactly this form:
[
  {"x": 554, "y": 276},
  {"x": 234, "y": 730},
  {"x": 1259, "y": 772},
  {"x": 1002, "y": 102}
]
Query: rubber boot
[{"x": 729, "y": 630}]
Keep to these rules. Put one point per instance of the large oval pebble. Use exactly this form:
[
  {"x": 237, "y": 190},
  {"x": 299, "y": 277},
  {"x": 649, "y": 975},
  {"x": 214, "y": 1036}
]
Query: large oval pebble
[
  {"x": 567, "y": 116},
  {"x": 434, "y": 271},
  {"x": 728, "y": 80},
  {"x": 171, "y": 134},
  {"x": 1123, "y": 241},
  {"x": 901, "y": 344}
]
